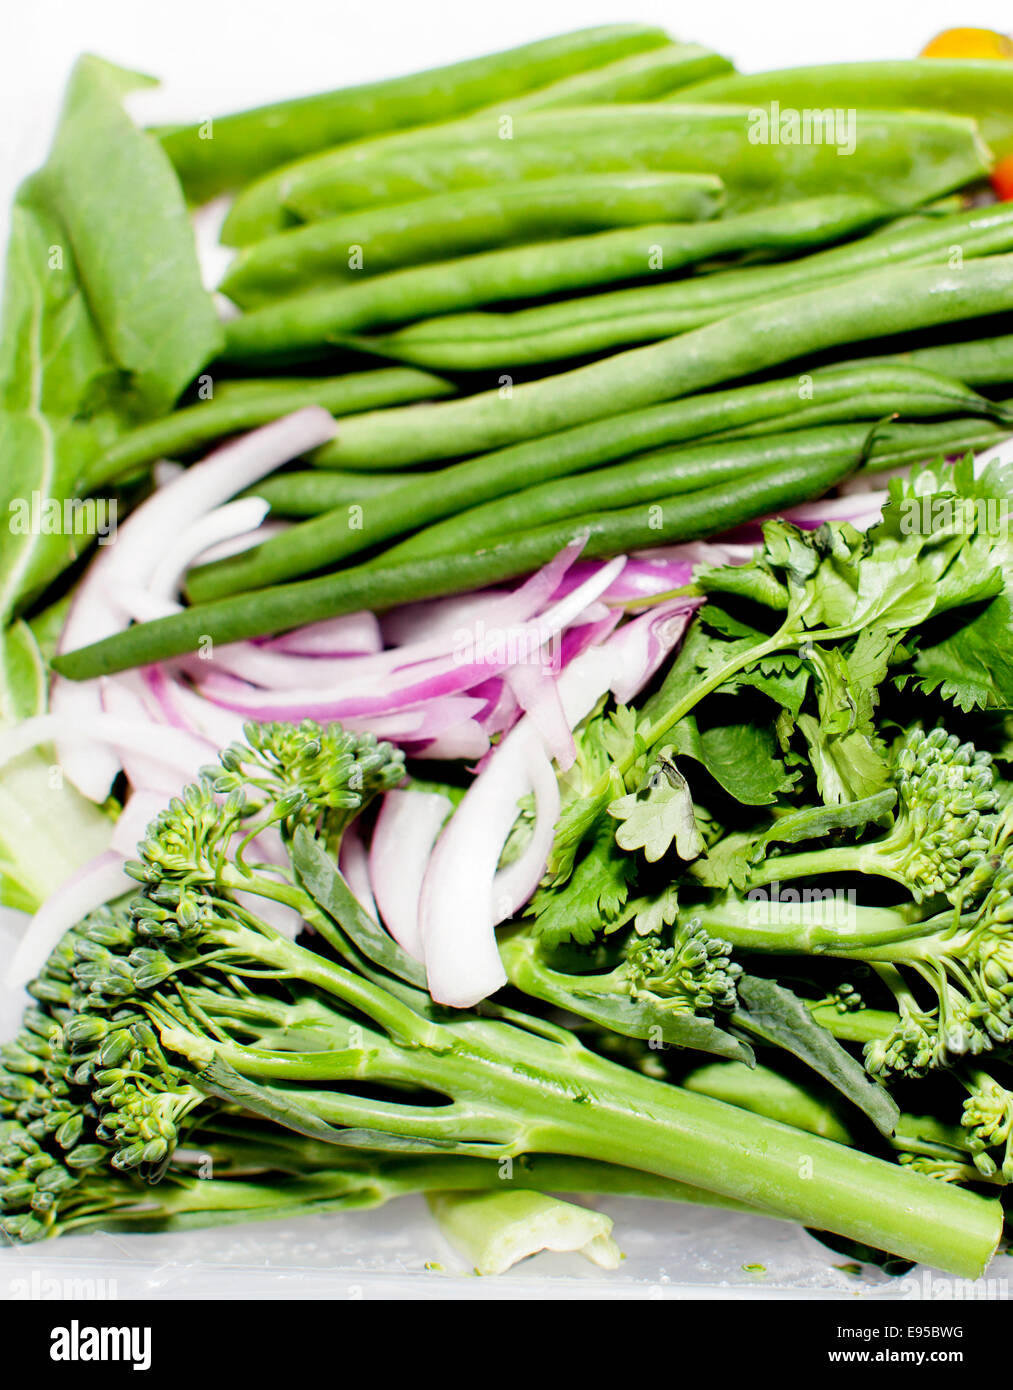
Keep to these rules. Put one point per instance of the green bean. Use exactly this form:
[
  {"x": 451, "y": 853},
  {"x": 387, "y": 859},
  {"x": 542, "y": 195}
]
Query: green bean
[
  {"x": 331, "y": 538},
  {"x": 594, "y": 323},
  {"x": 977, "y": 87},
  {"x": 263, "y": 209},
  {"x": 642, "y": 77},
  {"x": 242, "y": 405},
  {"x": 709, "y": 511},
  {"x": 212, "y": 158},
  {"x": 308, "y": 494},
  {"x": 362, "y": 244},
  {"x": 905, "y": 158},
  {"x": 871, "y": 408},
  {"x": 643, "y": 477},
  {"x": 979, "y": 362},
  {"x": 308, "y": 323},
  {"x": 870, "y": 306}
]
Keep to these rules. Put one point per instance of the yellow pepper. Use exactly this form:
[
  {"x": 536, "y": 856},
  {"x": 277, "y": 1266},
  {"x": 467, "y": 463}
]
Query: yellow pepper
[{"x": 969, "y": 43}]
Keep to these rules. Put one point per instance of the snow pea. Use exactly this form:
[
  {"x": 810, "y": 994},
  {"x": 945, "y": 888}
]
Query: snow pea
[
  {"x": 212, "y": 157},
  {"x": 975, "y": 87},
  {"x": 263, "y": 207},
  {"x": 906, "y": 157}
]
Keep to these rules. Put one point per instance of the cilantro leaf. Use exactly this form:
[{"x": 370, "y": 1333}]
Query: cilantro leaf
[{"x": 658, "y": 815}]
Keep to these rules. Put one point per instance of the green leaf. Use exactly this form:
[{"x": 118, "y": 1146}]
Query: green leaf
[
  {"x": 325, "y": 884},
  {"x": 104, "y": 318},
  {"x": 778, "y": 1016},
  {"x": 642, "y": 1018},
  {"x": 23, "y": 678},
  {"x": 591, "y": 899},
  {"x": 658, "y": 815},
  {"x": 742, "y": 758},
  {"x": 816, "y": 822},
  {"x": 651, "y": 914},
  {"x": 847, "y": 754}
]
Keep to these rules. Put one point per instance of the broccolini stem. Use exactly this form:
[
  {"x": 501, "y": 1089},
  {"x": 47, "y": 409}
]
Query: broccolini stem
[
  {"x": 586, "y": 1107},
  {"x": 791, "y": 924}
]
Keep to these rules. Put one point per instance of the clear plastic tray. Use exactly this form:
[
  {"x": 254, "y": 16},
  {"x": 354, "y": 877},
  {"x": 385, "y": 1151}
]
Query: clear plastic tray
[{"x": 397, "y": 1252}]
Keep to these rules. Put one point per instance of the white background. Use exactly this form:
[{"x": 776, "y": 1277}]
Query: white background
[{"x": 215, "y": 55}]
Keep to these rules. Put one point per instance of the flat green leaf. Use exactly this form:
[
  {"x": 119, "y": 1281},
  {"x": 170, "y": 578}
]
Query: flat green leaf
[
  {"x": 325, "y": 884},
  {"x": 776, "y": 1015},
  {"x": 742, "y": 758}
]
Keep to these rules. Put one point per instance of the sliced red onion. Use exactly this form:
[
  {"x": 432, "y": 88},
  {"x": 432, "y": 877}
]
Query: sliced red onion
[
  {"x": 458, "y": 906},
  {"x": 429, "y": 721},
  {"x": 128, "y": 698},
  {"x": 166, "y": 471},
  {"x": 643, "y": 644},
  {"x": 398, "y": 679},
  {"x": 467, "y": 742},
  {"x": 173, "y": 749},
  {"x": 537, "y": 695},
  {"x": 514, "y": 885},
  {"x": 692, "y": 553},
  {"x": 143, "y": 805},
  {"x": 99, "y": 882},
  {"x": 140, "y": 544},
  {"x": 184, "y": 709},
  {"x": 403, "y": 839},
  {"x": 436, "y": 620},
  {"x": 355, "y": 634},
  {"x": 641, "y": 577},
  {"x": 245, "y": 540},
  {"x": 354, "y": 865},
  {"x": 226, "y": 523}
]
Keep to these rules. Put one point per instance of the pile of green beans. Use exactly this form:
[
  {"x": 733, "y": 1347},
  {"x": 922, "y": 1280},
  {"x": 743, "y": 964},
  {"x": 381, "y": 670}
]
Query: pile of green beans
[
  {"x": 674, "y": 471},
  {"x": 737, "y": 322},
  {"x": 343, "y": 249},
  {"x": 308, "y": 323},
  {"x": 876, "y": 305},
  {"x": 519, "y": 476},
  {"x": 980, "y": 362},
  {"x": 596, "y": 323}
]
